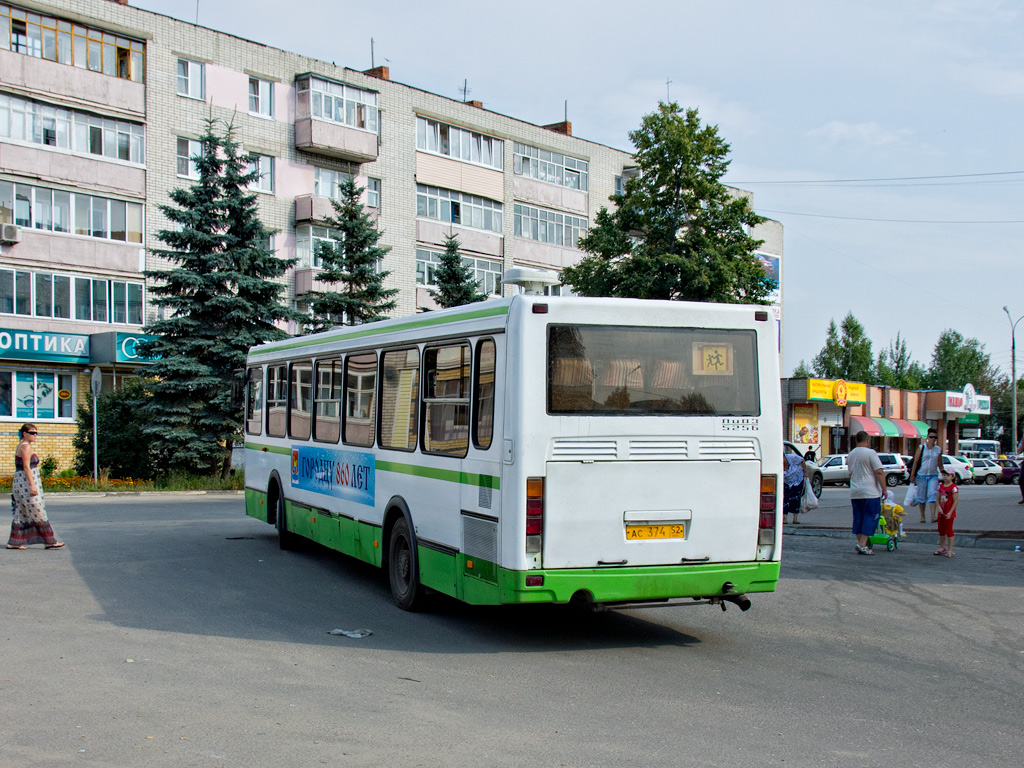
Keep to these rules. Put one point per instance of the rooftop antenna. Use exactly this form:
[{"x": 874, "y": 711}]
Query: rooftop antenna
[
  {"x": 197, "y": 12},
  {"x": 668, "y": 90},
  {"x": 567, "y": 110},
  {"x": 466, "y": 90},
  {"x": 373, "y": 64}
]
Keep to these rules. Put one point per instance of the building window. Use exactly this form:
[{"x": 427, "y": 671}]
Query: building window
[
  {"x": 62, "y": 41},
  {"x": 459, "y": 143},
  {"x": 326, "y": 182},
  {"x": 548, "y": 226},
  {"x": 265, "y": 165},
  {"x": 337, "y": 103},
  {"x": 188, "y": 151},
  {"x": 372, "y": 193},
  {"x": 44, "y": 294},
  {"x": 78, "y": 132},
  {"x": 191, "y": 76},
  {"x": 37, "y": 395},
  {"x": 458, "y": 208},
  {"x": 307, "y": 244},
  {"x": 487, "y": 273},
  {"x": 620, "y": 186},
  {"x": 261, "y": 97},
  {"x": 550, "y": 167}
]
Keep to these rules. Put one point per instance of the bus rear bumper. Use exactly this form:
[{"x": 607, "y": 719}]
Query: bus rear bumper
[{"x": 640, "y": 584}]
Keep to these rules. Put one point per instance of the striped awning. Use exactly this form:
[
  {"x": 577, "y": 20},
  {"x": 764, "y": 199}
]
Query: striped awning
[
  {"x": 922, "y": 428},
  {"x": 867, "y": 424},
  {"x": 907, "y": 428}
]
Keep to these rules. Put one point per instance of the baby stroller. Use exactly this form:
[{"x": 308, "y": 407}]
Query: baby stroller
[{"x": 890, "y": 524}]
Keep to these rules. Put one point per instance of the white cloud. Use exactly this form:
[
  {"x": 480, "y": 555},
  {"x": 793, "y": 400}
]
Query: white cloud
[{"x": 869, "y": 134}]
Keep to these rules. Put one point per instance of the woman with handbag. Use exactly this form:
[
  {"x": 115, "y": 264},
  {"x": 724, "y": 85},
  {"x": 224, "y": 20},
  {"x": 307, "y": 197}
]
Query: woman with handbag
[{"x": 794, "y": 472}]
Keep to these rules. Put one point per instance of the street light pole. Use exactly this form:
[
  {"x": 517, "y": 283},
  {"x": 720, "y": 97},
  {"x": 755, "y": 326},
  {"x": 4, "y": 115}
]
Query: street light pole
[{"x": 1013, "y": 369}]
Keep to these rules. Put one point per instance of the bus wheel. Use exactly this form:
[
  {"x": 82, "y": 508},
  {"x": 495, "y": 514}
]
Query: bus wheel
[
  {"x": 403, "y": 568},
  {"x": 285, "y": 538}
]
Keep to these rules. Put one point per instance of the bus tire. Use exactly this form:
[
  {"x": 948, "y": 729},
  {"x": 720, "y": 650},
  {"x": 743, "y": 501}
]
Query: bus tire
[
  {"x": 403, "y": 567},
  {"x": 285, "y": 538}
]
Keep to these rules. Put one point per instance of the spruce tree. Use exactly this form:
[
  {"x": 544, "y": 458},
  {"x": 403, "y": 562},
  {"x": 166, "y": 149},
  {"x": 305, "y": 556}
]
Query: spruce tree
[
  {"x": 217, "y": 299},
  {"x": 351, "y": 264},
  {"x": 456, "y": 283}
]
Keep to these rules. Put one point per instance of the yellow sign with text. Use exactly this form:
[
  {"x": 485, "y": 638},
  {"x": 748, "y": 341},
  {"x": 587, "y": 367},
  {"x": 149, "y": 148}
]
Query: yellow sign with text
[{"x": 827, "y": 390}]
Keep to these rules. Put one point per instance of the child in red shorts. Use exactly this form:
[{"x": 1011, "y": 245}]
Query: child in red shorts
[{"x": 948, "y": 497}]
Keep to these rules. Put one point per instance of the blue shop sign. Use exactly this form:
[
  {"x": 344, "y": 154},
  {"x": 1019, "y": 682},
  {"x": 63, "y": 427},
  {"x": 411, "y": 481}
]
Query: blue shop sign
[
  {"x": 116, "y": 347},
  {"x": 43, "y": 346}
]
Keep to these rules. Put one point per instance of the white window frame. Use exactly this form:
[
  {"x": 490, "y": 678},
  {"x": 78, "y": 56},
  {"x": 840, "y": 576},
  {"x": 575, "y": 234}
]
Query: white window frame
[
  {"x": 54, "y": 378},
  {"x": 550, "y": 167},
  {"x": 265, "y": 182},
  {"x": 306, "y": 238},
  {"x": 194, "y": 148},
  {"x": 550, "y": 225},
  {"x": 326, "y": 181},
  {"x": 372, "y": 192},
  {"x": 336, "y": 102},
  {"x": 191, "y": 84},
  {"x": 262, "y": 98},
  {"x": 460, "y": 144},
  {"x": 459, "y": 208},
  {"x": 488, "y": 272}
]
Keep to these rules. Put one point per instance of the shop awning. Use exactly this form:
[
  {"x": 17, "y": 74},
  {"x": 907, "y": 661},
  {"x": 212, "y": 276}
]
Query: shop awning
[
  {"x": 922, "y": 428},
  {"x": 907, "y": 428},
  {"x": 867, "y": 424},
  {"x": 888, "y": 428}
]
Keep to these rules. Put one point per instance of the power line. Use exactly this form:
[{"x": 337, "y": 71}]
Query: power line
[
  {"x": 890, "y": 178},
  {"x": 892, "y": 221}
]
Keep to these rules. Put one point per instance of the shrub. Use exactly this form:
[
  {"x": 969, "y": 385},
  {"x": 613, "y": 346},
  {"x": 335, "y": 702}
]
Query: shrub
[
  {"x": 48, "y": 466},
  {"x": 124, "y": 446}
]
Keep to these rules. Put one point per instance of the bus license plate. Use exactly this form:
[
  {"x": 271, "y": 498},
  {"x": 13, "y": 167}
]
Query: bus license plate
[{"x": 673, "y": 531}]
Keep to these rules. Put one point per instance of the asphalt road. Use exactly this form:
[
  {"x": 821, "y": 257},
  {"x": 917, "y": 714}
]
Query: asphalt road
[{"x": 172, "y": 631}]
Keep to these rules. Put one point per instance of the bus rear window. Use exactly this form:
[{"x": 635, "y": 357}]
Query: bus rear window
[{"x": 629, "y": 371}]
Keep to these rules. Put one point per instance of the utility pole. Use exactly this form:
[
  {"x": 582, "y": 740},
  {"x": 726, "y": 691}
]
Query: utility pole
[{"x": 1013, "y": 370}]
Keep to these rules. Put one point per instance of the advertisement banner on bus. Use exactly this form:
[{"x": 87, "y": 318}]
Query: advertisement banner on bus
[{"x": 345, "y": 474}]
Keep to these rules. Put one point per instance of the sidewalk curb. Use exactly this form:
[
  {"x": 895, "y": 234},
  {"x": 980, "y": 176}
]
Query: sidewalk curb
[
  {"x": 100, "y": 494},
  {"x": 976, "y": 539}
]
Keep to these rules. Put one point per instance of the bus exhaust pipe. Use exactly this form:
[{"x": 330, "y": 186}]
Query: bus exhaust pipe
[{"x": 729, "y": 593}]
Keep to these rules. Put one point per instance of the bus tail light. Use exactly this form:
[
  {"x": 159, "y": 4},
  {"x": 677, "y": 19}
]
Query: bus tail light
[
  {"x": 766, "y": 521},
  {"x": 534, "y": 513}
]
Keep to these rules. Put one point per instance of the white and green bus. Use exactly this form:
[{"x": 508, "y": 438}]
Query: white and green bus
[{"x": 530, "y": 449}]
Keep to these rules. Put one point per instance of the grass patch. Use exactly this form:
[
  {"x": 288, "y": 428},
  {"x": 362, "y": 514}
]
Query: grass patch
[{"x": 176, "y": 482}]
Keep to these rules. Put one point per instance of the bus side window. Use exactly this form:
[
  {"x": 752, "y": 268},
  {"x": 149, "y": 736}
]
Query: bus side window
[
  {"x": 483, "y": 402},
  {"x": 446, "y": 400},
  {"x": 399, "y": 399},
  {"x": 254, "y": 402},
  {"x": 300, "y": 396},
  {"x": 327, "y": 416},
  {"x": 277, "y": 399},
  {"x": 360, "y": 394}
]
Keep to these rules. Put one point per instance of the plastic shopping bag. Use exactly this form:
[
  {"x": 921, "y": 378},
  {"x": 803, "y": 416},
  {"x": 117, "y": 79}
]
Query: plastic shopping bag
[
  {"x": 808, "y": 501},
  {"x": 911, "y": 498}
]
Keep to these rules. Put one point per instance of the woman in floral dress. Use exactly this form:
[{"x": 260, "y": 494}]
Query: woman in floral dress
[{"x": 29, "y": 525}]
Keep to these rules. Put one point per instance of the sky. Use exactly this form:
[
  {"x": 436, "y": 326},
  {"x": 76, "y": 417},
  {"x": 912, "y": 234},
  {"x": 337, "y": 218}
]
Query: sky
[{"x": 885, "y": 136}]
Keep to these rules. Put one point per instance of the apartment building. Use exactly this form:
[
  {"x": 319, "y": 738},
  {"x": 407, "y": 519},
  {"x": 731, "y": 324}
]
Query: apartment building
[{"x": 101, "y": 108}]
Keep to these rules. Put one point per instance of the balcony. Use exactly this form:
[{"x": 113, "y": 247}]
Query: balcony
[
  {"x": 334, "y": 140},
  {"x": 318, "y": 210},
  {"x": 82, "y": 172},
  {"x": 72, "y": 85}
]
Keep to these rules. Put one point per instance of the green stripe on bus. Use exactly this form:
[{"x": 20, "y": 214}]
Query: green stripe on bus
[
  {"x": 284, "y": 450},
  {"x": 449, "y": 475},
  {"x": 356, "y": 334}
]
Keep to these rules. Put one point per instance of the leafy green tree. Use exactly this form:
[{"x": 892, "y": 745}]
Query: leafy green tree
[
  {"x": 846, "y": 354},
  {"x": 677, "y": 232},
  {"x": 895, "y": 367},
  {"x": 352, "y": 265},
  {"x": 957, "y": 361},
  {"x": 124, "y": 444},
  {"x": 217, "y": 297},
  {"x": 456, "y": 282},
  {"x": 802, "y": 371}
]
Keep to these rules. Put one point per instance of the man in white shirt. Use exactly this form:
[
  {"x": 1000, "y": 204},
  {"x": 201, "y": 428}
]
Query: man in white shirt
[{"x": 867, "y": 487}]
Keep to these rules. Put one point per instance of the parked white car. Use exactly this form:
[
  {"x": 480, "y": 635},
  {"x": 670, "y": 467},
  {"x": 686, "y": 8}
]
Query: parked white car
[
  {"x": 986, "y": 471},
  {"x": 958, "y": 467},
  {"x": 834, "y": 469}
]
